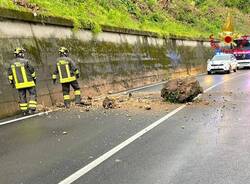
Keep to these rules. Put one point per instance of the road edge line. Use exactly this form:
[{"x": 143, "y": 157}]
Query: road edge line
[{"x": 24, "y": 118}]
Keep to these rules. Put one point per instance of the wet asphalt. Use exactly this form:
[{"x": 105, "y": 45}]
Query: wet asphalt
[{"x": 200, "y": 144}]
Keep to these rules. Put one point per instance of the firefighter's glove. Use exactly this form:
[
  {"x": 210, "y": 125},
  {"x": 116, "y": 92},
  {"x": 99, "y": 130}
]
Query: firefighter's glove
[{"x": 34, "y": 80}]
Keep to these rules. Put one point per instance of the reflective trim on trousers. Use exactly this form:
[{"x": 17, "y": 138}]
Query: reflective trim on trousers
[
  {"x": 77, "y": 92},
  {"x": 66, "y": 97},
  {"x": 23, "y": 106},
  {"x": 32, "y": 104}
]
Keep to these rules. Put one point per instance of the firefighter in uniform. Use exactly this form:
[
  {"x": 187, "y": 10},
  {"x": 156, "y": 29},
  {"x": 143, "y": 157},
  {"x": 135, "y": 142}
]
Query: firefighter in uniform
[
  {"x": 68, "y": 75},
  {"x": 22, "y": 76}
]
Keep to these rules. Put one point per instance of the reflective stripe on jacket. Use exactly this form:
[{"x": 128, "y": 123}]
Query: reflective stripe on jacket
[
  {"x": 66, "y": 69},
  {"x": 21, "y": 73}
]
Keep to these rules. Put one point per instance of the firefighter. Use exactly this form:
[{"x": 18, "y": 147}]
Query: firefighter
[
  {"x": 68, "y": 75},
  {"x": 22, "y": 76}
]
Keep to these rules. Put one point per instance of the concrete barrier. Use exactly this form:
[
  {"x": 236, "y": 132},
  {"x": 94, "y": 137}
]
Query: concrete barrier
[{"x": 109, "y": 61}]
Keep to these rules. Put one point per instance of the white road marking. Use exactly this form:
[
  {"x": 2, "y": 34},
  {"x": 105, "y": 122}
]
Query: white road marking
[
  {"x": 23, "y": 118},
  {"x": 116, "y": 149}
]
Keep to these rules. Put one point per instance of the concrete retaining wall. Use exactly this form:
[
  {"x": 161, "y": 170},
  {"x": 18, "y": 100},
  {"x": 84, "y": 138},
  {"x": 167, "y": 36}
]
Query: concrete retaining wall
[{"x": 111, "y": 60}]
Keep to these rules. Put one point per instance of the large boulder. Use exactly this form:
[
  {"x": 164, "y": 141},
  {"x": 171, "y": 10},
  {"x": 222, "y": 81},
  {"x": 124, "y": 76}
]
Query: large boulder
[{"x": 181, "y": 90}]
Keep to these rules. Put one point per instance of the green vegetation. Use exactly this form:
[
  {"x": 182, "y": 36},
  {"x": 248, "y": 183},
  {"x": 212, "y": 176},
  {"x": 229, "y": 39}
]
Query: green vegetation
[{"x": 190, "y": 18}]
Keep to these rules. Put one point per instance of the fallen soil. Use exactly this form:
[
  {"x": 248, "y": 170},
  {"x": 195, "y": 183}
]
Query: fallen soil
[
  {"x": 144, "y": 101},
  {"x": 137, "y": 101}
]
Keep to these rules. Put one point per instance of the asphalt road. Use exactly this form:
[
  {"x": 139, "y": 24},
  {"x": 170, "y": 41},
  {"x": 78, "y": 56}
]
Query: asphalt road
[{"x": 199, "y": 144}]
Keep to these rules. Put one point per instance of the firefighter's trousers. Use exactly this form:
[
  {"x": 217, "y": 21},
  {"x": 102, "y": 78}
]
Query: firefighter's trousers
[
  {"x": 66, "y": 91},
  {"x": 24, "y": 104}
]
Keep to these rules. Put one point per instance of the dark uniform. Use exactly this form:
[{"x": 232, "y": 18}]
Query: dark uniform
[
  {"x": 22, "y": 76},
  {"x": 68, "y": 73}
]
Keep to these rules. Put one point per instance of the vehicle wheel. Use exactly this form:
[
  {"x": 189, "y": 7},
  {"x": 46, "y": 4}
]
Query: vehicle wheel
[
  {"x": 238, "y": 68},
  {"x": 228, "y": 71},
  {"x": 235, "y": 70},
  {"x": 209, "y": 72}
]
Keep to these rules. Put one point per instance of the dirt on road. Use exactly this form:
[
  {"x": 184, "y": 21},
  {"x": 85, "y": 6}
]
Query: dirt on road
[{"x": 144, "y": 101}]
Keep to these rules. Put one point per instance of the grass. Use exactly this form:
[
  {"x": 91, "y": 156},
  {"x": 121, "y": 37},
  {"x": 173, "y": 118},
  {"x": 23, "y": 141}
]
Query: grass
[{"x": 188, "y": 18}]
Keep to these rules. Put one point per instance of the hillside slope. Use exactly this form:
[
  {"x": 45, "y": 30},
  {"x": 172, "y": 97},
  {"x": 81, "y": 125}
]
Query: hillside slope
[{"x": 197, "y": 18}]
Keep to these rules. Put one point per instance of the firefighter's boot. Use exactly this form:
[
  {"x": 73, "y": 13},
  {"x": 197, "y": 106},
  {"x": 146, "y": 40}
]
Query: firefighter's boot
[
  {"x": 66, "y": 101},
  {"x": 78, "y": 97}
]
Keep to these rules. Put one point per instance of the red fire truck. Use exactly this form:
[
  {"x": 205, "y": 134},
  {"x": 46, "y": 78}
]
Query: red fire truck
[{"x": 242, "y": 52}]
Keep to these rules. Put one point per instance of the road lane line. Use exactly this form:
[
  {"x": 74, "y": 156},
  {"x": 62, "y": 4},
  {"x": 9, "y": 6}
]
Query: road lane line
[
  {"x": 81, "y": 172},
  {"x": 24, "y": 118},
  {"x": 110, "y": 153}
]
